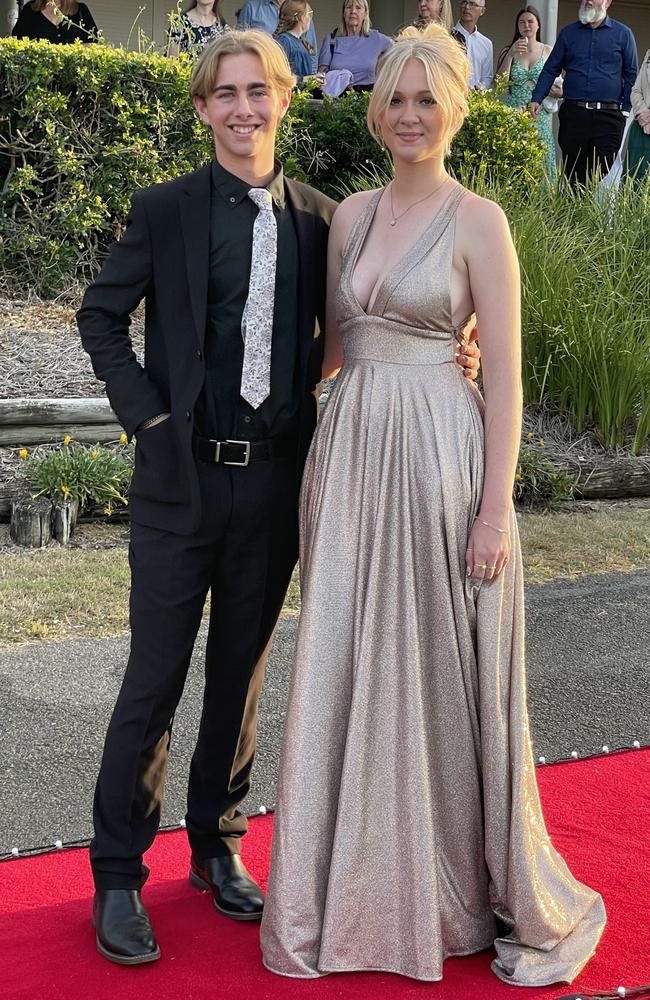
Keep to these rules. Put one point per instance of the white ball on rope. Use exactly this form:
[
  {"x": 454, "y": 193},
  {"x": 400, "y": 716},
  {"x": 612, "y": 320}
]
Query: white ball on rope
[
  {"x": 14, "y": 852},
  {"x": 542, "y": 760},
  {"x": 58, "y": 844},
  {"x": 262, "y": 810},
  {"x": 605, "y": 749},
  {"x": 574, "y": 754},
  {"x": 621, "y": 991},
  {"x": 636, "y": 745},
  {"x": 182, "y": 824}
]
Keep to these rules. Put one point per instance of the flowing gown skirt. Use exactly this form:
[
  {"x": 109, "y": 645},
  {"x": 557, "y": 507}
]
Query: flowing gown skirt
[{"x": 409, "y": 825}]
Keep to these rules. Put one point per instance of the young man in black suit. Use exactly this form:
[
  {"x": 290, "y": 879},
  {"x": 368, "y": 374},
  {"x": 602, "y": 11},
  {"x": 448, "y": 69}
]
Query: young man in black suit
[{"x": 223, "y": 408}]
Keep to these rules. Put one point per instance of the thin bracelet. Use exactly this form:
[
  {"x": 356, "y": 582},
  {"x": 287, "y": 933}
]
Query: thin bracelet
[{"x": 502, "y": 531}]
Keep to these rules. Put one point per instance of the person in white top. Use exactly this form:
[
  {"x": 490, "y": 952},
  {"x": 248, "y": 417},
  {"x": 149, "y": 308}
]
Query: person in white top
[{"x": 479, "y": 47}]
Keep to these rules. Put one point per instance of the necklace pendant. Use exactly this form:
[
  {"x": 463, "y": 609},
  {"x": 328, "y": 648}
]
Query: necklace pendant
[{"x": 393, "y": 222}]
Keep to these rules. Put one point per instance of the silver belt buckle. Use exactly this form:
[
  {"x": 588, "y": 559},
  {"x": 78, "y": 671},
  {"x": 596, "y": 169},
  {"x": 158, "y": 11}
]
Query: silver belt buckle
[{"x": 247, "y": 451}]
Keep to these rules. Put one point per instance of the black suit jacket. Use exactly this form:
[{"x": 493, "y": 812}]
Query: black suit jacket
[{"x": 163, "y": 257}]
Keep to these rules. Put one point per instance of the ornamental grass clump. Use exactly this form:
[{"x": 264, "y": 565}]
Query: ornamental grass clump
[
  {"x": 585, "y": 268},
  {"x": 95, "y": 476}
]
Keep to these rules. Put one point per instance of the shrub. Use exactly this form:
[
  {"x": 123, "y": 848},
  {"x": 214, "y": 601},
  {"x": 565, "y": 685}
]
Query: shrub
[
  {"x": 538, "y": 483},
  {"x": 83, "y": 126},
  {"x": 94, "y": 475}
]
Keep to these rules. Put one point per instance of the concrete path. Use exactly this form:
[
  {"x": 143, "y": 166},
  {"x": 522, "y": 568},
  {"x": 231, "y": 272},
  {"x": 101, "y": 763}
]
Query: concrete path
[{"x": 588, "y": 674}]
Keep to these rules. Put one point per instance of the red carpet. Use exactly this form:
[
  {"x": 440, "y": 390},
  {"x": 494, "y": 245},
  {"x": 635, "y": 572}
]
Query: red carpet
[{"x": 598, "y": 812}]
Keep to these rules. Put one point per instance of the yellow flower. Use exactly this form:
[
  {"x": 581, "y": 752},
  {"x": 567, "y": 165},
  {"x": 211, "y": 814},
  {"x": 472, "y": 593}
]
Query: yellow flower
[
  {"x": 94, "y": 453},
  {"x": 530, "y": 435},
  {"x": 23, "y": 453},
  {"x": 67, "y": 439},
  {"x": 519, "y": 477},
  {"x": 108, "y": 510},
  {"x": 66, "y": 491},
  {"x": 123, "y": 438},
  {"x": 542, "y": 442}
]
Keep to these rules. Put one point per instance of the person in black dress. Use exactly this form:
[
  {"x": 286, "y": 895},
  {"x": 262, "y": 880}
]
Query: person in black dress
[{"x": 60, "y": 23}]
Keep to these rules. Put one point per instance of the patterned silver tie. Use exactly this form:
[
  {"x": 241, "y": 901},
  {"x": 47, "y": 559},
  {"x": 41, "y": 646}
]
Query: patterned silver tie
[{"x": 257, "y": 318}]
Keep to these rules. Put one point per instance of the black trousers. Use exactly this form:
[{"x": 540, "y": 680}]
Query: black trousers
[
  {"x": 589, "y": 140},
  {"x": 243, "y": 553}
]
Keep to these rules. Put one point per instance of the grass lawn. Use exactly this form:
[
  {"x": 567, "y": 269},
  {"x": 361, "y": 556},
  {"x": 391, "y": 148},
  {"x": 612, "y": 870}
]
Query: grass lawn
[{"x": 55, "y": 592}]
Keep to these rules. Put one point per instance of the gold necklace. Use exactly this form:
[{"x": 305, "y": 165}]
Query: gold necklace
[{"x": 395, "y": 218}]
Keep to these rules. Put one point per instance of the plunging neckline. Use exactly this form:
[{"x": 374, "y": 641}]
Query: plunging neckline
[
  {"x": 441, "y": 219},
  {"x": 529, "y": 69},
  {"x": 365, "y": 222}
]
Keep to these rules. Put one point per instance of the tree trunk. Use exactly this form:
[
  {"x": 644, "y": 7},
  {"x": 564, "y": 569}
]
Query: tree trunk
[
  {"x": 31, "y": 522},
  {"x": 64, "y": 519}
]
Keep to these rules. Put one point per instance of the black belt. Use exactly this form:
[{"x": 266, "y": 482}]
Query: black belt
[
  {"x": 597, "y": 105},
  {"x": 243, "y": 452}
]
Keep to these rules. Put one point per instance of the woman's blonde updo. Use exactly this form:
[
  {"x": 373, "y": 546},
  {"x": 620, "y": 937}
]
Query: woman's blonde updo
[{"x": 446, "y": 68}]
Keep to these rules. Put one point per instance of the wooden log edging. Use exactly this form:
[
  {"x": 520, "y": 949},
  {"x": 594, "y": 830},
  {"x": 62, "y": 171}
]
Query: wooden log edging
[
  {"x": 19, "y": 436},
  {"x": 83, "y": 410},
  {"x": 610, "y": 478},
  {"x": 26, "y": 421}
]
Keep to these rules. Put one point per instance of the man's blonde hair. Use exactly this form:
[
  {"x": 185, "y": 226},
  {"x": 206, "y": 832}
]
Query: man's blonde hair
[
  {"x": 446, "y": 68},
  {"x": 276, "y": 67}
]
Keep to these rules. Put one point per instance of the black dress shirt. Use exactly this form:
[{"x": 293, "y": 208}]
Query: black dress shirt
[
  {"x": 35, "y": 25},
  {"x": 220, "y": 412}
]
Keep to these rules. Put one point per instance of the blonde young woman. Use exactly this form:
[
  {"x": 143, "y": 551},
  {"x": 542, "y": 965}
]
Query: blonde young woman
[
  {"x": 61, "y": 23},
  {"x": 409, "y": 826}
]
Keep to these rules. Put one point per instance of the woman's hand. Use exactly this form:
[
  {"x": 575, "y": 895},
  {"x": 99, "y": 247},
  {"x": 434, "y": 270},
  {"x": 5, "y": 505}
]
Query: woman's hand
[{"x": 488, "y": 552}]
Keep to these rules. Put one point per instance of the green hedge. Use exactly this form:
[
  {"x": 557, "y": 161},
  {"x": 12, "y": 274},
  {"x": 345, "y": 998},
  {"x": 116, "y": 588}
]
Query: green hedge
[{"x": 83, "y": 126}]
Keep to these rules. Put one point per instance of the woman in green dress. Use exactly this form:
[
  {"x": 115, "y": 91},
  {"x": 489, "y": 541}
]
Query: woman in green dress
[
  {"x": 638, "y": 147},
  {"x": 522, "y": 61}
]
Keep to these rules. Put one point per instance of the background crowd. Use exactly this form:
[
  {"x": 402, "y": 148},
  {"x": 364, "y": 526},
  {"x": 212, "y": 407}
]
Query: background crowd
[{"x": 590, "y": 77}]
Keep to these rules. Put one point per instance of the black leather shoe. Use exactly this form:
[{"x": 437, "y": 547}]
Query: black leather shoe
[
  {"x": 124, "y": 933},
  {"x": 235, "y": 894}
]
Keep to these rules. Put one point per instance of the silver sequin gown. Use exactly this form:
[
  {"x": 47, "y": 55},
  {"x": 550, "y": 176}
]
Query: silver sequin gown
[{"x": 408, "y": 824}]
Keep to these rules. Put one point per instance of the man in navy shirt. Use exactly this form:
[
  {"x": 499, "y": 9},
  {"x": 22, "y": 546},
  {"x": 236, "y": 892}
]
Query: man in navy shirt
[{"x": 598, "y": 56}]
